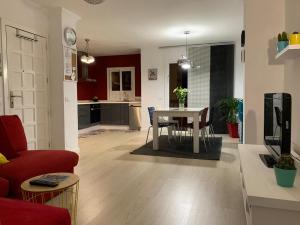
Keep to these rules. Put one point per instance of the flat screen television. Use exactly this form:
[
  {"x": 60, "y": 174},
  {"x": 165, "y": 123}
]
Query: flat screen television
[{"x": 277, "y": 123}]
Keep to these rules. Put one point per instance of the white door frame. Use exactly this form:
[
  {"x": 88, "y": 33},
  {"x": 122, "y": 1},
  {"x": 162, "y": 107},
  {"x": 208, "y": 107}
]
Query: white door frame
[
  {"x": 6, "y": 97},
  {"x": 111, "y": 69}
]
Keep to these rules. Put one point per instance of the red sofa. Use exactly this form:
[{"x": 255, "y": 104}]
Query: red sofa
[
  {"x": 25, "y": 164},
  {"x": 3, "y": 188},
  {"x": 16, "y": 212}
]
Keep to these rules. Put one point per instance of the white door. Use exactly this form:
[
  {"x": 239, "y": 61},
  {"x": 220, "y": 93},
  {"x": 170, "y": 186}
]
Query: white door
[
  {"x": 121, "y": 84},
  {"x": 26, "y": 84}
]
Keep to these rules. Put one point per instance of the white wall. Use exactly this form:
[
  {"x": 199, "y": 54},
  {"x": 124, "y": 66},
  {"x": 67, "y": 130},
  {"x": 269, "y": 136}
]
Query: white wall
[
  {"x": 25, "y": 14},
  {"x": 263, "y": 20},
  {"x": 292, "y": 71},
  {"x": 64, "y": 129},
  {"x": 156, "y": 92},
  {"x": 239, "y": 71}
]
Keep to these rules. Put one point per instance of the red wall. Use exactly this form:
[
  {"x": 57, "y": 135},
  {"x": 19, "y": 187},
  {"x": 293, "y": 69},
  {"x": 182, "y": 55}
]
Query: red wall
[{"x": 98, "y": 71}]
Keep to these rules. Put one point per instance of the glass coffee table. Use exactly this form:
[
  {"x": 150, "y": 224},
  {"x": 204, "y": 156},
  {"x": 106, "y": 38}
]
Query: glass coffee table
[{"x": 64, "y": 195}]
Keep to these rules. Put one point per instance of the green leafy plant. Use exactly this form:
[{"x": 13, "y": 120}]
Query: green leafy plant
[
  {"x": 284, "y": 36},
  {"x": 229, "y": 108},
  {"x": 181, "y": 93},
  {"x": 286, "y": 162},
  {"x": 279, "y": 37}
]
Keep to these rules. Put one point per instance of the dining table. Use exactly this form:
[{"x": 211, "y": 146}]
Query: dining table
[{"x": 195, "y": 113}]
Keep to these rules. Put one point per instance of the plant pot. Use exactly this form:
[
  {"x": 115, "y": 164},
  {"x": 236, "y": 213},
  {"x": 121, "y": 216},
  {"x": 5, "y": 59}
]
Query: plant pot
[
  {"x": 233, "y": 130},
  {"x": 285, "y": 178},
  {"x": 282, "y": 45},
  {"x": 181, "y": 104},
  {"x": 294, "y": 39}
]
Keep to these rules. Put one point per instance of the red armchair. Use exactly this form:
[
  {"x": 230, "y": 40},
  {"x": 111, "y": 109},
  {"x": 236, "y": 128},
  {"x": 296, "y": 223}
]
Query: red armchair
[
  {"x": 3, "y": 187},
  {"x": 15, "y": 212},
  {"x": 25, "y": 164}
]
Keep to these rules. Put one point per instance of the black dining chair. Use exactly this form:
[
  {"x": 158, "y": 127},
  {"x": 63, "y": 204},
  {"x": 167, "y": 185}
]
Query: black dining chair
[
  {"x": 210, "y": 121},
  {"x": 278, "y": 119},
  {"x": 161, "y": 124}
]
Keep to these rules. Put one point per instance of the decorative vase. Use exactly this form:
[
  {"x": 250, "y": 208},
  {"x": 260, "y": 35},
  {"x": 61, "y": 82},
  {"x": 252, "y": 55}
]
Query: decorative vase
[
  {"x": 181, "y": 103},
  {"x": 233, "y": 130},
  {"x": 285, "y": 178},
  {"x": 282, "y": 45},
  {"x": 295, "y": 39}
]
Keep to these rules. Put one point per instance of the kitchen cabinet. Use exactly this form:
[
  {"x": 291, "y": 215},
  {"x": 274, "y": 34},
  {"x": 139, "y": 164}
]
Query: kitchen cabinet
[
  {"x": 103, "y": 113},
  {"x": 114, "y": 113},
  {"x": 84, "y": 117}
]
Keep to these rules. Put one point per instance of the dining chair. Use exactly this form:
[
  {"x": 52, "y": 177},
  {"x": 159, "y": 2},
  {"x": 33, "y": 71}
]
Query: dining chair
[
  {"x": 210, "y": 121},
  {"x": 202, "y": 126},
  {"x": 278, "y": 119},
  {"x": 161, "y": 123},
  {"x": 182, "y": 126}
]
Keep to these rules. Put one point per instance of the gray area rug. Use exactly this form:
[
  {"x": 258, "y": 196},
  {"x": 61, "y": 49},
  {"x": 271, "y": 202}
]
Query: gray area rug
[{"x": 183, "y": 149}]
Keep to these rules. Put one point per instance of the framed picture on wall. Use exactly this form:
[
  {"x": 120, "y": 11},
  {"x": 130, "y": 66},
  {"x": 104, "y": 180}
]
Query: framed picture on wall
[
  {"x": 152, "y": 74},
  {"x": 70, "y": 64}
]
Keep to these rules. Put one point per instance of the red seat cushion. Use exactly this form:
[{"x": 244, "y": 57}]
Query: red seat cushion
[
  {"x": 12, "y": 136},
  {"x": 4, "y": 186},
  {"x": 14, "y": 212},
  {"x": 34, "y": 163}
]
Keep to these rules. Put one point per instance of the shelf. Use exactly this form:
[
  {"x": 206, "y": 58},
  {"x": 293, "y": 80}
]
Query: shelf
[{"x": 290, "y": 52}]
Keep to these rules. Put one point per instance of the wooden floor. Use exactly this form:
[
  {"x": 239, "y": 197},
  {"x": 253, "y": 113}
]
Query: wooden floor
[{"x": 117, "y": 188}]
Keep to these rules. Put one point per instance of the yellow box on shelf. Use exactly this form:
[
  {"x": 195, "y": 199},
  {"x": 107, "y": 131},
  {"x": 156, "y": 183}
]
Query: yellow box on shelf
[{"x": 294, "y": 39}]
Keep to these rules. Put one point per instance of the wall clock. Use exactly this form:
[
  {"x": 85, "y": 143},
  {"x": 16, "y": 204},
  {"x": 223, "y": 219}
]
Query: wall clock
[{"x": 70, "y": 36}]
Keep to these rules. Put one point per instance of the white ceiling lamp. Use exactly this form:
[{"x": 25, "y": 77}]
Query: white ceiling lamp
[
  {"x": 94, "y": 2},
  {"x": 184, "y": 62},
  {"x": 86, "y": 58}
]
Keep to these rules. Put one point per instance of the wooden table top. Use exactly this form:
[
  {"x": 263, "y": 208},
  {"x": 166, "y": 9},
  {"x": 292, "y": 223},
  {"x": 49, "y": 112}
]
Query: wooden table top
[{"x": 70, "y": 181}]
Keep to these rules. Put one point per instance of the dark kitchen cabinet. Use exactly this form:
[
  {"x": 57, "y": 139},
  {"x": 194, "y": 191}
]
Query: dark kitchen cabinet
[
  {"x": 103, "y": 113},
  {"x": 115, "y": 114},
  {"x": 84, "y": 118},
  {"x": 95, "y": 112}
]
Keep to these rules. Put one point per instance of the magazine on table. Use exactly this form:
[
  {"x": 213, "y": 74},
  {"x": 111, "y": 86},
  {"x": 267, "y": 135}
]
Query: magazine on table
[{"x": 49, "y": 180}]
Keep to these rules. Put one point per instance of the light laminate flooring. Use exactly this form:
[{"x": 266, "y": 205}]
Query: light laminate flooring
[{"x": 117, "y": 188}]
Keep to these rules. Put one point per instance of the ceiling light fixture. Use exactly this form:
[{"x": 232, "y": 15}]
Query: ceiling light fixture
[
  {"x": 184, "y": 62},
  {"x": 94, "y": 2},
  {"x": 86, "y": 58}
]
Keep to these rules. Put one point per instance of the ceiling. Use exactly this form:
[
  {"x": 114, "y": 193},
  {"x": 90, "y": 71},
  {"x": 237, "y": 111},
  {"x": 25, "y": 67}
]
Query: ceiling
[{"x": 125, "y": 26}]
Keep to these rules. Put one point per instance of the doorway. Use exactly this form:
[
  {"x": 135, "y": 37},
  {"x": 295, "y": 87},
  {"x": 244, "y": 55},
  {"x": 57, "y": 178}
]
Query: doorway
[
  {"x": 26, "y": 84},
  {"x": 178, "y": 77}
]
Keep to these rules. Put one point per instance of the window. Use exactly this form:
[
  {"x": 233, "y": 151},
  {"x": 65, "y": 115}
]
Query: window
[
  {"x": 126, "y": 81},
  {"x": 115, "y": 81},
  {"x": 121, "y": 84}
]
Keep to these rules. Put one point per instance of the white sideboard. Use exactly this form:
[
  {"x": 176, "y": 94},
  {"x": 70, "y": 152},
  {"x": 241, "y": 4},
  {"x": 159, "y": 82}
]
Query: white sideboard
[{"x": 265, "y": 202}]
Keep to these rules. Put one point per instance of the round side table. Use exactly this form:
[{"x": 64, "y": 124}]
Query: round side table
[{"x": 64, "y": 195}]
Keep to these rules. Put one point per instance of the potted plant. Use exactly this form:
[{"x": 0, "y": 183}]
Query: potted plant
[
  {"x": 229, "y": 108},
  {"x": 283, "y": 41},
  {"x": 285, "y": 171},
  {"x": 295, "y": 38},
  {"x": 181, "y": 94}
]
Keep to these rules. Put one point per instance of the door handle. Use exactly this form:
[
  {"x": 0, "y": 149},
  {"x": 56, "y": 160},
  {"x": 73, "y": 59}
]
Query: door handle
[{"x": 12, "y": 96}]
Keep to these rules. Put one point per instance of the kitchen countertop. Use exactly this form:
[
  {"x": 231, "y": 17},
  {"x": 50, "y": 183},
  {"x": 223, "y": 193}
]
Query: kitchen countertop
[{"x": 88, "y": 102}]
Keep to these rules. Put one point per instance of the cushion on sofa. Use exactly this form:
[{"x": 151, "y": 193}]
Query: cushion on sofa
[
  {"x": 12, "y": 136},
  {"x": 4, "y": 187},
  {"x": 15, "y": 212},
  {"x": 34, "y": 163},
  {"x": 3, "y": 159}
]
